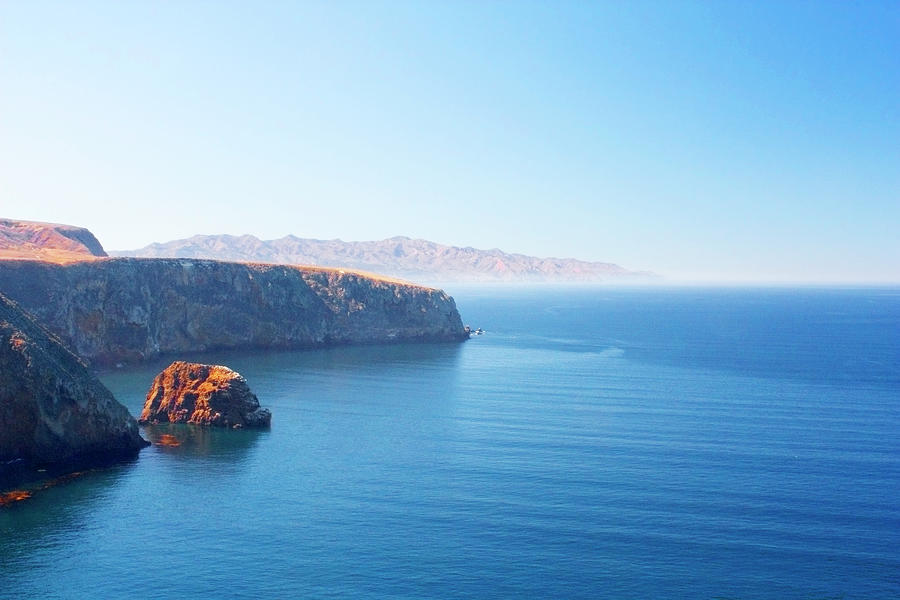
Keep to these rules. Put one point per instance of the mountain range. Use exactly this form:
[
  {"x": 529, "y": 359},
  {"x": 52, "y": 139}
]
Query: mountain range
[{"x": 403, "y": 257}]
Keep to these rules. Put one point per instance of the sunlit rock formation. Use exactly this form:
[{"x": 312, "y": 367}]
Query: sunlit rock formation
[
  {"x": 203, "y": 395},
  {"x": 52, "y": 409}
]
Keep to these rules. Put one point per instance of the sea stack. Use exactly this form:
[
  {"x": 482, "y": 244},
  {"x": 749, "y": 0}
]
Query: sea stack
[
  {"x": 203, "y": 395},
  {"x": 52, "y": 409}
]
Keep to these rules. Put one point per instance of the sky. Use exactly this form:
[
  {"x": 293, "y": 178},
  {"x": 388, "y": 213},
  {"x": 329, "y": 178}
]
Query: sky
[{"x": 719, "y": 141}]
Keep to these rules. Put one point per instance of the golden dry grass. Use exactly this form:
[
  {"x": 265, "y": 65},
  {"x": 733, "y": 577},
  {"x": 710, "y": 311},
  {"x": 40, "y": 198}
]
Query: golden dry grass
[
  {"x": 50, "y": 255},
  {"x": 340, "y": 271}
]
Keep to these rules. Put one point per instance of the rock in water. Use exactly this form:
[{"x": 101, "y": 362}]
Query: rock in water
[
  {"x": 203, "y": 395},
  {"x": 52, "y": 409}
]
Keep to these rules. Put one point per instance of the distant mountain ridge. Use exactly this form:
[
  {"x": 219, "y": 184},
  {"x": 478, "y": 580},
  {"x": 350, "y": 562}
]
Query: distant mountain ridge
[{"x": 402, "y": 257}]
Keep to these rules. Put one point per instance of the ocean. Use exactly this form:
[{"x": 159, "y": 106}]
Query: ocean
[{"x": 682, "y": 443}]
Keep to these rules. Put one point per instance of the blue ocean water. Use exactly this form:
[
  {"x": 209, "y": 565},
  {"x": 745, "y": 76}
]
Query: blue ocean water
[{"x": 594, "y": 443}]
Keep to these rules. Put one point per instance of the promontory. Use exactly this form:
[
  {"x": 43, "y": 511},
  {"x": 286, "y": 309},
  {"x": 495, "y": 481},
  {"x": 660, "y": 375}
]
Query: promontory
[{"x": 117, "y": 310}]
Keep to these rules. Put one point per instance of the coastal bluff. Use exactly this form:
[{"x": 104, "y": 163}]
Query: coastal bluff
[
  {"x": 120, "y": 310},
  {"x": 52, "y": 408},
  {"x": 51, "y": 242},
  {"x": 201, "y": 394}
]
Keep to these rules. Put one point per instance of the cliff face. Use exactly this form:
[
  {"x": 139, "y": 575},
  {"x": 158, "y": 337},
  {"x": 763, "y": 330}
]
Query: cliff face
[
  {"x": 47, "y": 241},
  {"x": 52, "y": 409},
  {"x": 118, "y": 310}
]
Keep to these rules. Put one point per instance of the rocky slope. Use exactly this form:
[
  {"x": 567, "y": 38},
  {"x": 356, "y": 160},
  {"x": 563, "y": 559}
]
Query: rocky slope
[
  {"x": 203, "y": 395},
  {"x": 125, "y": 309},
  {"x": 47, "y": 241},
  {"x": 52, "y": 409},
  {"x": 397, "y": 257}
]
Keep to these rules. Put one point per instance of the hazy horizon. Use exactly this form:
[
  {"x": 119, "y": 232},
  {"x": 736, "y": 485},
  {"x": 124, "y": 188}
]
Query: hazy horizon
[
  {"x": 648, "y": 278},
  {"x": 705, "y": 142}
]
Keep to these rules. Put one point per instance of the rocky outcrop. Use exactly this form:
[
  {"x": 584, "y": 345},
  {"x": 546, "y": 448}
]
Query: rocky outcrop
[
  {"x": 47, "y": 241},
  {"x": 415, "y": 259},
  {"x": 52, "y": 409},
  {"x": 203, "y": 395},
  {"x": 123, "y": 309}
]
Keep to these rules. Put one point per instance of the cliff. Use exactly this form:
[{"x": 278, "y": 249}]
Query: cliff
[
  {"x": 47, "y": 241},
  {"x": 52, "y": 409},
  {"x": 124, "y": 309},
  {"x": 203, "y": 395},
  {"x": 398, "y": 256}
]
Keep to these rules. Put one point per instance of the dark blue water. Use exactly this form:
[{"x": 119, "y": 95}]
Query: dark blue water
[{"x": 592, "y": 444}]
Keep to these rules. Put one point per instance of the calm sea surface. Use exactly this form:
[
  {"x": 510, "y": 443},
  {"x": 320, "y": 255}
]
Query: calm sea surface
[{"x": 606, "y": 443}]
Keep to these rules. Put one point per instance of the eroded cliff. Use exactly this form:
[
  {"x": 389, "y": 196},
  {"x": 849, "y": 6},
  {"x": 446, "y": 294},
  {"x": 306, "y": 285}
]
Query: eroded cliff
[
  {"x": 52, "y": 409},
  {"x": 125, "y": 309}
]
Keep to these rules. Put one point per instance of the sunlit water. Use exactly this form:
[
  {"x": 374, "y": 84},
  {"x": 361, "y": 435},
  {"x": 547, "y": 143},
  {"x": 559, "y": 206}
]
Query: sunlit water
[{"x": 592, "y": 444}]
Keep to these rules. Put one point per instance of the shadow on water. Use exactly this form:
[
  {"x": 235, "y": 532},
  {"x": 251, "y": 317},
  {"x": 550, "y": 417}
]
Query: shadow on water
[
  {"x": 130, "y": 384},
  {"x": 336, "y": 357},
  {"x": 52, "y": 501},
  {"x": 22, "y": 483},
  {"x": 194, "y": 442},
  {"x": 383, "y": 353},
  {"x": 37, "y": 508}
]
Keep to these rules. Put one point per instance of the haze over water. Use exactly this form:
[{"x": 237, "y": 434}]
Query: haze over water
[
  {"x": 655, "y": 443},
  {"x": 703, "y": 141}
]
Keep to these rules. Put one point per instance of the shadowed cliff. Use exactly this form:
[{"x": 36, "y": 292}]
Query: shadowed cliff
[
  {"x": 124, "y": 309},
  {"x": 52, "y": 409}
]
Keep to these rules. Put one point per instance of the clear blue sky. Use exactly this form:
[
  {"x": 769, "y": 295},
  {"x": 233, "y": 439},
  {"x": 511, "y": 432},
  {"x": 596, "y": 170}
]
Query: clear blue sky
[{"x": 720, "y": 140}]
